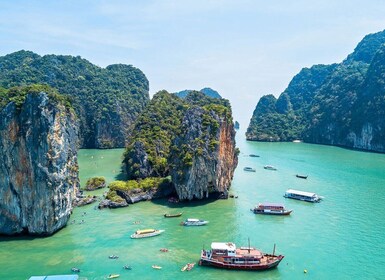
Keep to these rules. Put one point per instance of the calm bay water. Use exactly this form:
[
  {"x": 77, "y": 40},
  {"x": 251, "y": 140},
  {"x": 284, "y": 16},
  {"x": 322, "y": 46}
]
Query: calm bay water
[{"x": 342, "y": 237}]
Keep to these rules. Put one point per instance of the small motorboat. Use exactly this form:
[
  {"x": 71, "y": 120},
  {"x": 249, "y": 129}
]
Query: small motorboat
[
  {"x": 128, "y": 267},
  {"x": 249, "y": 169},
  {"x": 173, "y": 215},
  {"x": 194, "y": 222},
  {"x": 112, "y": 276},
  {"x": 146, "y": 233},
  {"x": 253, "y": 155},
  {"x": 301, "y": 176},
  {"x": 269, "y": 167},
  {"x": 75, "y": 269},
  {"x": 113, "y": 257},
  {"x": 164, "y": 250},
  {"x": 156, "y": 267}
]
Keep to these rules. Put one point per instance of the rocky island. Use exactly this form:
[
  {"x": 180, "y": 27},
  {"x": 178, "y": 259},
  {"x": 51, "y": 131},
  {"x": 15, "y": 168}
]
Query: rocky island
[
  {"x": 338, "y": 104},
  {"x": 38, "y": 170},
  {"x": 189, "y": 140}
]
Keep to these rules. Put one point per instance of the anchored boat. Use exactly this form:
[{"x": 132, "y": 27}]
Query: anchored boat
[
  {"x": 173, "y": 215},
  {"x": 268, "y": 208},
  {"x": 194, "y": 222},
  {"x": 250, "y": 169},
  {"x": 227, "y": 255},
  {"x": 269, "y": 167},
  {"x": 146, "y": 233},
  {"x": 301, "y": 195}
]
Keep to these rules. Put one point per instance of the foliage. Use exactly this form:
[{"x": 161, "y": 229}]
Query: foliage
[
  {"x": 97, "y": 93},
  {"x": 142, "y": 184},
  {"x": 18, "y": 95},
  {"x": 95, "y": 183}
]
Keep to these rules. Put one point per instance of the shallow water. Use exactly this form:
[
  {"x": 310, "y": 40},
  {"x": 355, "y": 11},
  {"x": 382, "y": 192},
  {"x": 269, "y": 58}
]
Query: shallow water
[{"x": 342, "y": 237}]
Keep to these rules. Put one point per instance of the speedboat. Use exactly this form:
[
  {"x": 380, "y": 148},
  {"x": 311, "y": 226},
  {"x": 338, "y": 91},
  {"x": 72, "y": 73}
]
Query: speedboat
[
  {"x": 146, "y": 233},
  {"x": 194, "y": 222},
  {"x": 112, "y": 276},
  {"x": 269, "y": 167}
]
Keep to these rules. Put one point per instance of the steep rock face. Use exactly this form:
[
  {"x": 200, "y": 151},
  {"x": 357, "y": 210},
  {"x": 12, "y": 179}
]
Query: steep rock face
[
  {"x": 208, "y": 163},
  {"x": 38, "y": 170}
]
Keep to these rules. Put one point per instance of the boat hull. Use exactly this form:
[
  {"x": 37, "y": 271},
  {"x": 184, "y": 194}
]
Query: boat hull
[
  {"x": 217, "y": 264},
  {"x": 172, "y": 215},
  {"x": 285, "y": 213}
]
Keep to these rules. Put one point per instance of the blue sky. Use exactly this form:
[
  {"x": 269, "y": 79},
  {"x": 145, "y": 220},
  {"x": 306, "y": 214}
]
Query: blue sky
[{"x": 241, "y": 48}]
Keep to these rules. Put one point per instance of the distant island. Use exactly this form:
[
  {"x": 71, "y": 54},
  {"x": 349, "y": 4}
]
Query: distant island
[{"x": 338, "y": 104}]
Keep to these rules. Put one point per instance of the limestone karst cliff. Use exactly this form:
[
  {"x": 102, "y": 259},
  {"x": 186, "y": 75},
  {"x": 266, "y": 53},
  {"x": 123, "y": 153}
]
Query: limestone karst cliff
[
  {"x": 38, "y": 167},
  {"x": 192, "y": 139},
  {"x": 206, "y": 158},
  {"x": 339, "y": 104}
]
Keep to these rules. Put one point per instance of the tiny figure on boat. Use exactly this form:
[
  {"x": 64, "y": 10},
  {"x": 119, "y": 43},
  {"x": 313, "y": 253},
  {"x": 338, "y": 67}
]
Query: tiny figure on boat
[{"x": 75, "y": 269}]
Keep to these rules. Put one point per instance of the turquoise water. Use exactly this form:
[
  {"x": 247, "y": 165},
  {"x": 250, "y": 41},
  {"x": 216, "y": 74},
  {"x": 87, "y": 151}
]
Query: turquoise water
[{"x": 342, "y": 237}]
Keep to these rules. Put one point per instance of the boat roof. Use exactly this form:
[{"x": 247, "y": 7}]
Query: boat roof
[
  {"x": 55, "y": 277},
  {"x": 230, "y": 246},
  {"x": 142, "y": 231},
  {"x": 272, "y": 204},
  {"x": 300, "y": 192},
  {"x": 192, "y": 220}
]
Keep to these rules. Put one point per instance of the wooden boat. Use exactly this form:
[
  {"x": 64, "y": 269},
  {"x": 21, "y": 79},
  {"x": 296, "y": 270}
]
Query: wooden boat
[
  {"x": 146, "y": 233},
  {"x": 269, "y": 167},
  {"x": 268, "y": 208},
  {"x": 301, "y": 195},
  {"x": 301, "y": 176},
  {"x": 112, "y": 276},
  {"x": 156, "y": 267},
  {"x": 167, "y": 215},
  {"x": 164, "y": 250},
  {"x": 249, "y": 169},
  {"x": 194, "y": 222},
  {"x": 227, "y": 255}
]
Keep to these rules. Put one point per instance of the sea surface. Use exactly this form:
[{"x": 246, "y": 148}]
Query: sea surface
[{"x": 343, "y": 237}]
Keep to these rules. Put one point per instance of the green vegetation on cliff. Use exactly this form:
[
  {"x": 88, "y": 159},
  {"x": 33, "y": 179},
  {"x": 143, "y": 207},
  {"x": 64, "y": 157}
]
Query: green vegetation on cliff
[
  {"x": 18, "y": 95},
  {"x": 147, "y": 154},
  {"x": 106, "y": 100},
  {"x": 340, "y": 104}
]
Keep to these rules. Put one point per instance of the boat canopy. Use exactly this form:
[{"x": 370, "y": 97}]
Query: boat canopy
[
  {"x": 229, "y": 246},
  {"x": 192, "y": 220},
  {"x": 302, "y": 193},
  {"x": 144, "y": 231},
  {"x": 272, "y": 204}
]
